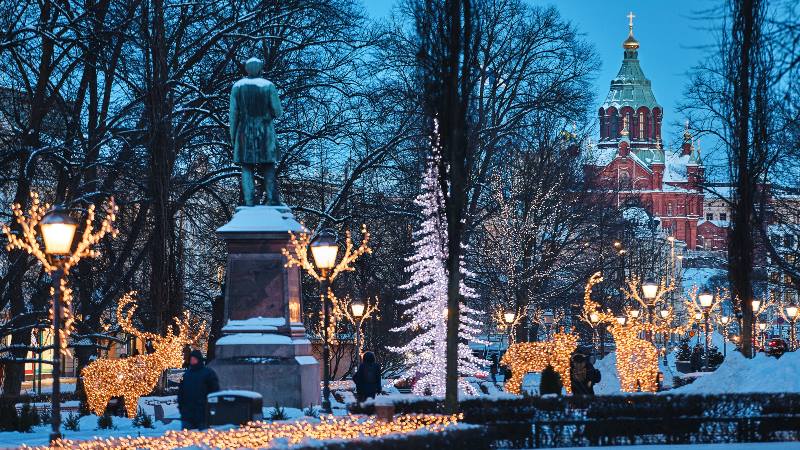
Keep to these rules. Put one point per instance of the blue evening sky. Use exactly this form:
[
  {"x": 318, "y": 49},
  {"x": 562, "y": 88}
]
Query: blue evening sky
[{"x": 671, "y": 38}]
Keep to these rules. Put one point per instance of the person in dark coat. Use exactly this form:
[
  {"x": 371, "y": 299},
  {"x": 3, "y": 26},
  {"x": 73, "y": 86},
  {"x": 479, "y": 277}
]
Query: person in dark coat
[
  {"x": 367, "y": 378},
  {"x": 582, "y": 374},
  {"x": 198, "y": 381},
  {"x": 494, "y": 368}
]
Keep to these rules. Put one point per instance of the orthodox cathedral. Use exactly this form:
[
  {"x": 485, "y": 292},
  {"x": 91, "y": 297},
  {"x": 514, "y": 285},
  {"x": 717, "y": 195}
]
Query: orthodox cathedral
[{"x": 630, "y": 161}]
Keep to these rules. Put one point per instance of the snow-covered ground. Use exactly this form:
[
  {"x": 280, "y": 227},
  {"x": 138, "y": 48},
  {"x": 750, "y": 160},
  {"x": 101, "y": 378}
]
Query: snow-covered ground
[{"x": 739, "y": 375}]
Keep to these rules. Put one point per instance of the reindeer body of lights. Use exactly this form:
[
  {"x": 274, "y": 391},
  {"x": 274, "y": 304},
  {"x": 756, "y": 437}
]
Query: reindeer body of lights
[
  {"x": 136, "y": 376},
  {"x": 636, "y": 358},
  {"x": 525, "y": 357}
]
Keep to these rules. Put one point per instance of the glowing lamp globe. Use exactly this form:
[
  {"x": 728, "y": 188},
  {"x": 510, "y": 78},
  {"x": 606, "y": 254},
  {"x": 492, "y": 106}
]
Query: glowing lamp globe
[
  {"x": 324, "y": 250},
  {"x": 635, "y": 313},
  {"x": 548, "y": 317},
  {"x": 755, "y": 304},
  {"x": 509, "y": 317},
  {"x": 725, "y": 320},
  {"x": 621, "y": 320},
  {"x": 650, "y": 289},
  {"x": 671, "y": 238},
  {"x": 357, "y": 308},
  {"x": 58, "y": 231},
  {"x": 706, "y": 299},
  {"x": 698, "y": 316},
  {"x": 791, "y": 311},
  {"x": 762, "y": 326},
  {"x": 664, "y": 313},
  {"x": 594, "y": 317}
]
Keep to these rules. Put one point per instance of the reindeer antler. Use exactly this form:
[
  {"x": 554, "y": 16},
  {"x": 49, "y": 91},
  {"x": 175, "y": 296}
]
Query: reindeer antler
[{"x": 125, "y": 321}]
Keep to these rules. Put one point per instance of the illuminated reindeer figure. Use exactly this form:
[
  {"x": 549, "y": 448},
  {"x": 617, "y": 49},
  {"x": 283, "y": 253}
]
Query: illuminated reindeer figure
[{"x": 135, "y": 376}]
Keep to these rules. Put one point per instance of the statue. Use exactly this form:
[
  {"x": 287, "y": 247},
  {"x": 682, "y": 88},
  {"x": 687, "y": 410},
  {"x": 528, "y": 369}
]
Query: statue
[{"x": 254, "y": 105}]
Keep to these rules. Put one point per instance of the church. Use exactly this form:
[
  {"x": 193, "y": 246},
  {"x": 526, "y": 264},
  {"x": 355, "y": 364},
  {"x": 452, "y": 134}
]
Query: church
[{"x": 630, "y": 162}]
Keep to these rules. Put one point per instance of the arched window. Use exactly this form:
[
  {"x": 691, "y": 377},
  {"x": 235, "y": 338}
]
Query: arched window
[
  {"x": 624, "y": 181},
  {"x": 614, "y": 125},
  {"x": 641, "y": 125}
]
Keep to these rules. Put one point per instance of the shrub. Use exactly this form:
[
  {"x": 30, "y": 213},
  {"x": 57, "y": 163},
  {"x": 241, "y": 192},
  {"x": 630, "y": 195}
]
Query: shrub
[
  {"x": 142, "y": 419},
  {"x": 550, "y": 382},
  {"x": 105, "y": 422},
  {"x": 9, "y": 419},
  {"x": 28, "y": 418},
  {"x": 72, "y": 422},
  {"x": 278, "y": 413},
  {"x": 311, "y": 411}
]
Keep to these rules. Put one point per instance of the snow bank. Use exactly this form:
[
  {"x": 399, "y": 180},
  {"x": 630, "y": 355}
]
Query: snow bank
[
  {"x": 254, "y": 339},
  {"x": 740, "y": 375}
]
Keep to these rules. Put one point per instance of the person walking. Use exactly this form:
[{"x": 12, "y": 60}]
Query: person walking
[
  {"x": 494, "y": 368},
  {"x": 583, "y": 376},
  {"x": 367, "y": 378},
  {"x": 198, "y": 381}
]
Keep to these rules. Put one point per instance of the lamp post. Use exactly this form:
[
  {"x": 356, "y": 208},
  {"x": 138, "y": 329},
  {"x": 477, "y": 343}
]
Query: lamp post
[
  {"x": 667, "y": 335},
  {"x": 706, "y": 300},
  {"x": 762, "y": 326},
  {"x": 791, "y": 314},
  {"x": 509, "y": 317},
  {"x": 324, "y": 250},
  {"x": 58, "y": 231},
  {"x": 548, "y": 322},
  {"x": 357, "y": 308},
  {"x": 594, "y": 319},
  {"x": 725, "y": 321}
]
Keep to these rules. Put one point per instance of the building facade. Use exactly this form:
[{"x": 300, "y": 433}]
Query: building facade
[{"x": 630, "y": 163}]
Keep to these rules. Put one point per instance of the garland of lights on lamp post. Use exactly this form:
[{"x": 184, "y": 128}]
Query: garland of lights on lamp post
[
  {"x": 56, "y": 229},
  {"x": 324, "y": 251}
]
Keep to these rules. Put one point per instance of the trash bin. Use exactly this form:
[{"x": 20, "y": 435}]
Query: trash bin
[{"x": 234, "y": 407}]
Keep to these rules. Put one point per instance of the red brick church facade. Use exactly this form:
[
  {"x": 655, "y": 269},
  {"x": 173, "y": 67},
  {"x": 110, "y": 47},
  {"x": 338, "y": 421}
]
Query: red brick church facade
[{"x": 630, "y": 161}]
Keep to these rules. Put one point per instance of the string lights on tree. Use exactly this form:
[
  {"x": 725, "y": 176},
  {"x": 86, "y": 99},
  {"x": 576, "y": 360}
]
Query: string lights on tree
[
  {"x": 324, "y": 250},
  {"x": 136, "y": 376},
  {"x": 425, "y": 353},
  {"x": 48, "y": 233}
]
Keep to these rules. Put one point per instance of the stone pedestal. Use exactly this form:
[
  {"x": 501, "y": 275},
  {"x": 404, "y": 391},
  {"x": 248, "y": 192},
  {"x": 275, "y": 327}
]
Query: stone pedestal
[{"x": 264, "y": 346}]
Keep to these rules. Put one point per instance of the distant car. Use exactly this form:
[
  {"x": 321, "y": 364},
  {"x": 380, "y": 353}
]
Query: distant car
[{"x": 776, "y": 347}]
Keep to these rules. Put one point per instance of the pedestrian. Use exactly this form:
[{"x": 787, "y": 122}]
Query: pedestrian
[
  {"x": 582, "y": 374},
  {"x": 494, "y": 368},
  {"x": 198, "y": 381},
  {"x": 367, "y": 378}
]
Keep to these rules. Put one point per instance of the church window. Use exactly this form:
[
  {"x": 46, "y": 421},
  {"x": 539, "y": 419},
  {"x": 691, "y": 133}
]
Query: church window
[
  {"x": 614, "y": 126},
  {"x": 723, "y": 216},
  {"x": 710, "y": 216},
  {"x": 625, "y": 181},
  {"x": 641, "y": 125},
  {"x": 669, "y": 208}
]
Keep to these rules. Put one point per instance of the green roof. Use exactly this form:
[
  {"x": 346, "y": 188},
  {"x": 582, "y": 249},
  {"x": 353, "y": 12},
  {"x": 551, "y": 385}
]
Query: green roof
[{"x": 630, "y": 87}]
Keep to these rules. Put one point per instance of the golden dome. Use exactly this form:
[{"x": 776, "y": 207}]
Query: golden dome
[{"x": 631, "y": 43}]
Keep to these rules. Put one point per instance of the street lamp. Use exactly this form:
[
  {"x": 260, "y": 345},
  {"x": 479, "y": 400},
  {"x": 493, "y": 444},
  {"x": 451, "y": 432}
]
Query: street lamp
[
  {"x": 706, "y": 300},
  {"x": 650, "y": 289},
  {"x": 762, "y": 326},
  {"x": 324, "y": 250},
  {"x": 58, "y": 232},
  {"x": 725, "y": 321},
  {"x": 594, "y": 319},
  {"x": 635, "y": 313},
  {"x": 357, "y": 309},
  {"x": 548, "y": 321},
  {"x": 755, "y": 304},
  {"x": 664, "y": 313},
  {"x": 508, "y": 317},
  {"x": 621, "y": 320},
  {"x": 791, "y": 314}
]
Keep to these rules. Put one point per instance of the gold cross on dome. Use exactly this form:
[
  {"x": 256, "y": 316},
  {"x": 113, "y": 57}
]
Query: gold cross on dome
[{"x": 630, "y": 20}]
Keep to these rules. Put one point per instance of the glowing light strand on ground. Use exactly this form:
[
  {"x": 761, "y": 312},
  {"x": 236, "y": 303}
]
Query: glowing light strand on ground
[
  {"x": 136, "y": 376},
  {"x": 274, "y": 435}
]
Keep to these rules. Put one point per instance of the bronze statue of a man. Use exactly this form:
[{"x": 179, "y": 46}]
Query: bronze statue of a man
[{"x": 254, "y": 105}]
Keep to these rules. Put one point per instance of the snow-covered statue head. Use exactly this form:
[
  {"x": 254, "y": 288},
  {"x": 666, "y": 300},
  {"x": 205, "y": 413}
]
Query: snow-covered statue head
[{"x": 254, "y": 106}]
